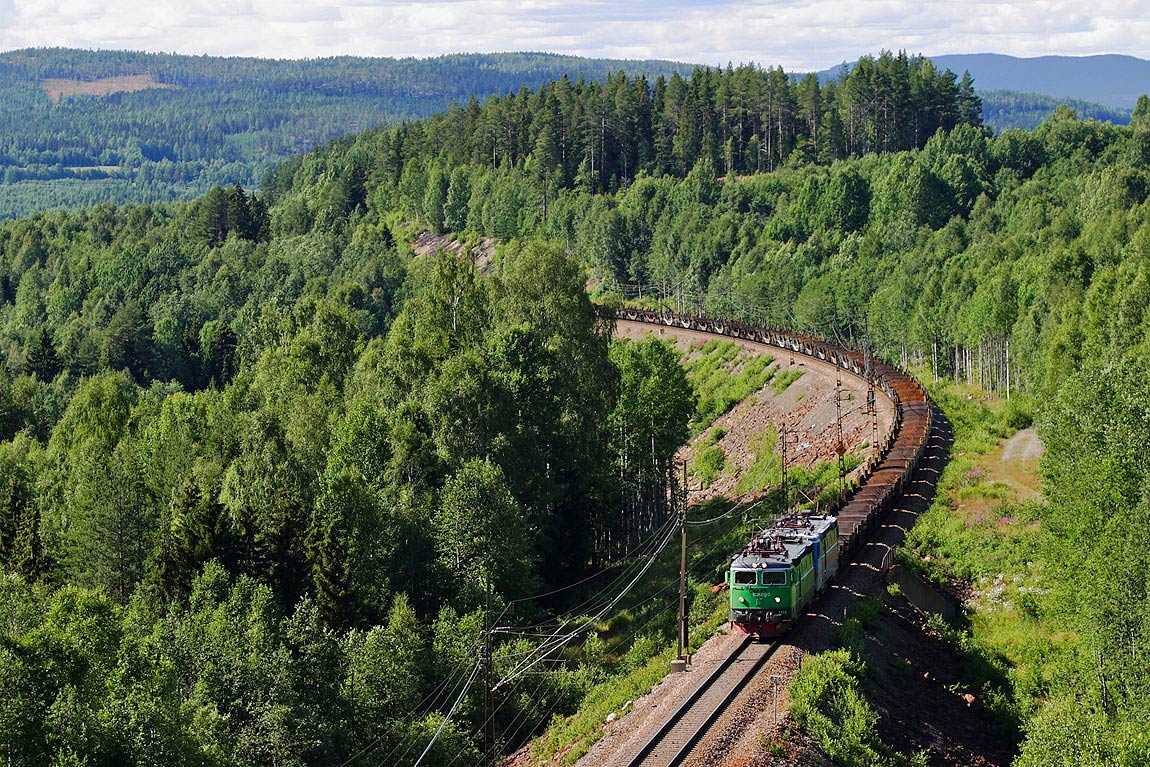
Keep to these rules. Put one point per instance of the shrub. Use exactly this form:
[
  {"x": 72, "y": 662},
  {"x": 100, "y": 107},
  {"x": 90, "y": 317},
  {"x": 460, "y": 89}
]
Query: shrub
[
  {"x": 708, "y": 463},
  {"x": 1018, "y": 414},
  {"x": 827, "y": 703}
]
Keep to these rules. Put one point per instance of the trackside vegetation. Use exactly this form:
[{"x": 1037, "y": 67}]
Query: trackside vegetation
[{"x": 266, "y": 476}]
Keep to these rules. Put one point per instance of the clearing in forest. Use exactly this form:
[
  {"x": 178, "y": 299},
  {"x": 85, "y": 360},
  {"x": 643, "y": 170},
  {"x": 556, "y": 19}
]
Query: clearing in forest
[{"x": 104, "y": 86}]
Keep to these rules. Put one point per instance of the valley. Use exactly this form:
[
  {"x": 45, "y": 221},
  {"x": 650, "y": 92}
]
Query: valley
[{"x": 336, "y": 442}]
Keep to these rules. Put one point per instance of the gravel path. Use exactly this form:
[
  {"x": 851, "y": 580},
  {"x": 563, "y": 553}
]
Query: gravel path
[
  {"x": 1018, "y": 465},
  {"x": 1023, "y": 446}
]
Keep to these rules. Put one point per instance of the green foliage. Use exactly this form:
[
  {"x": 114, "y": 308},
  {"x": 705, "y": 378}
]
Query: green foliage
[
  {"x": 227, "y": 121},
  {"x": 708, "y": 463},
  {"x": 722, "y": 378},
  {"x": 476, "y": 511},
  {"x": 767, "y": 467},
  {"x": 649, "y": 422},
  {"x": 1064, "y": 733},
  {"x": 639, "y": 646},
  {"x": 827, "y": 702},
  {"x": 1018, "y": 414},
  {"x": 244, "y": 458},
  {"x": 1003, "y": 110},
  {"x": 862, "y": 616},
  {"x": 783, "y": 381}
]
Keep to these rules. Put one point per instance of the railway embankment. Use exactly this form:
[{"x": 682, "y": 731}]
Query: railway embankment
[{"x": 913, "y": 453}]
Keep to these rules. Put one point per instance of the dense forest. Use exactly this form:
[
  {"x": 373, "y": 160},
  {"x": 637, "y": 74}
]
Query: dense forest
[
  {"x": 350, "y": 453},
  {"x": 1003, "y": 110},
  {"x": 222, "y": 120},
  {"x": 204, "y": 121},
  {"x": 267, "y": 475}
]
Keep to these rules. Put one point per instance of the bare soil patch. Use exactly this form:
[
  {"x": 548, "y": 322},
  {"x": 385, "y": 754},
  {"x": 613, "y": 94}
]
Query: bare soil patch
[
  {"x": 104, "y": 86},
  {"x": 428, "y": 244},
  {"x": 806, "y": 407},
  {"x": 1017, "y": 466}
]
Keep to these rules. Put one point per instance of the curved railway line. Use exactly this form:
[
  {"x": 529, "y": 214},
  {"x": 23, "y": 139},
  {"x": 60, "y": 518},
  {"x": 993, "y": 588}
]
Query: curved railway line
[{"x": 882, "y": 483}]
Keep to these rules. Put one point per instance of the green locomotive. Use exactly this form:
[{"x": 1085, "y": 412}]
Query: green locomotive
[{"x": 781, "y": 571}]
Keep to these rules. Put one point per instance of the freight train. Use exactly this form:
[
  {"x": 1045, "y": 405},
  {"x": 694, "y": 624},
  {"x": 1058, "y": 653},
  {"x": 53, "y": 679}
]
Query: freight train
[
  {"x": 882, "y": 480},
  {"x": 781, "y": 571}
]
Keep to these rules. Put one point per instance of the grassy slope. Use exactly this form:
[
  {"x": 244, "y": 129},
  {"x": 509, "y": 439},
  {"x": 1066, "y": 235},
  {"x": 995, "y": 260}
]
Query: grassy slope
[
  {"x": 638, "y": 644},
  {"x": 980, "y": 535},
  {"x": 977, "y": 538}
]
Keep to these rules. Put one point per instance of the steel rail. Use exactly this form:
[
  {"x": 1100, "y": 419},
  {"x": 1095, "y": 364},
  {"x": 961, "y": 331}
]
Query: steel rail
[
  {"x": 883, "y": 482},
  {"x": 725, "y": 678}
]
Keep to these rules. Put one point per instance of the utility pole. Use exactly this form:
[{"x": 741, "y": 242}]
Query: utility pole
[
  {"x": 680, "y": 662},
  {"x": 840, "y": 448},
  {"x": 871, "y": 405},
  {"x": 788, "y": 438},
  {"x": 489, "y": 757},
  {"x": 683, "y": 639}
]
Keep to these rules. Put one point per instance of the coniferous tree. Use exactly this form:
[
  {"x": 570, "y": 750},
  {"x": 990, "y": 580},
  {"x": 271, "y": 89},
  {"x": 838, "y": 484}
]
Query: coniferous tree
[
  {"x": 42, "y": 357},
  {"x": 969, "y": 102},
  {"x": 213, "y": 216},
  {"x": 218, "y": 344},
  {"x": 20, "y": 546},
  {"x": 1141, "y": 116},
  {"x": 237, "y": 215},
  {"x": 128, "y": 343}
]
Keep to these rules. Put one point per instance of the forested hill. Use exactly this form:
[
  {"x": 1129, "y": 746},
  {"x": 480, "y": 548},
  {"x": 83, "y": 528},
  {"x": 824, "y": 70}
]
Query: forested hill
[
  {"x": 265, "y": 475},
  {"x": 82, "y": 127},
  {"x": 602, "y": 136},
  {"x": 1002, "y": 110},
  {"x": 1021, "y": 93}
]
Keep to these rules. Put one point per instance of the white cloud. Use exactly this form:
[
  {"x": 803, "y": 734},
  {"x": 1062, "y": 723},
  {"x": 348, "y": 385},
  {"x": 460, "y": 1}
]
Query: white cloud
[{"x": 798, "y": 34}]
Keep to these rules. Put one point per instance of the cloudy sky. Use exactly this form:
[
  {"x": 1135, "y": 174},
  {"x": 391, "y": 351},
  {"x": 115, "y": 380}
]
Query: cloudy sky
[{"x": 798, "y": 34}]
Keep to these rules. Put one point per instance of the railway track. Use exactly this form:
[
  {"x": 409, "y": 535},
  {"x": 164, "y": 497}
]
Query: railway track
[
  {"x": 674, "y": 741},
  {"x": 883, "y": 481}
]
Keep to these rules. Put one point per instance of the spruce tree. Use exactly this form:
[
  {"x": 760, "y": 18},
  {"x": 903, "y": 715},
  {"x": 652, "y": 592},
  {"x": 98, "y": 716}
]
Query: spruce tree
[
  {"x": 42, "y": 357},
  {"x": 969, "y": 102},
  {"x": 1140, "y": 119}
]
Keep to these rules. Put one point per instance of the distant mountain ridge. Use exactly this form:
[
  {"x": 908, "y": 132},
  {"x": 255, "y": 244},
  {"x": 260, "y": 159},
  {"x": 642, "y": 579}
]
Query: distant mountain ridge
[{"x": 1112, "y": 79}]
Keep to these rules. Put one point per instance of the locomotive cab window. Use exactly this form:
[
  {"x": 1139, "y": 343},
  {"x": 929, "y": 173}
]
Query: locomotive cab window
[
  {"x": 774, "y": 577},
  {"x": 744, "y": 577}
]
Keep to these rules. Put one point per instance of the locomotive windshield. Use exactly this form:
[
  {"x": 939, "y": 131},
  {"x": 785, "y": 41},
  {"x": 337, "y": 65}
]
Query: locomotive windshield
[
  {"x": 744, "y": 577},
  {"x": 774, "y": 577}
]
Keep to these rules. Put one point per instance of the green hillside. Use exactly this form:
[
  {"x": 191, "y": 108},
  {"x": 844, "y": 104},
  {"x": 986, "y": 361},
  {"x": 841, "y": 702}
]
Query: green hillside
[
  {"x": 267, "y": 474},
  {"x": 1003, "y": 110},
  {"x": 221, "y": 120},
  {"x": 1114, "y": 80},
  {"x": 83, "y": 127}
]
